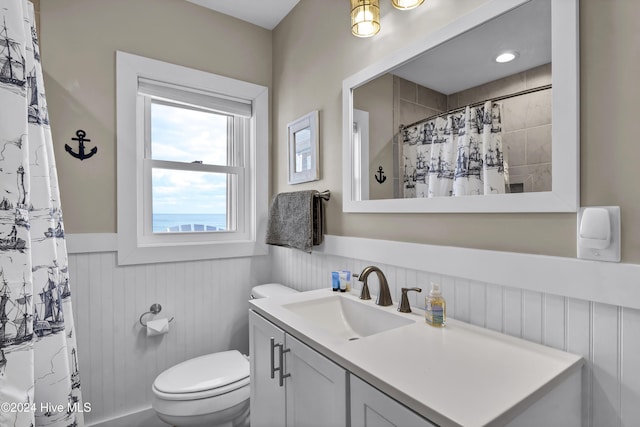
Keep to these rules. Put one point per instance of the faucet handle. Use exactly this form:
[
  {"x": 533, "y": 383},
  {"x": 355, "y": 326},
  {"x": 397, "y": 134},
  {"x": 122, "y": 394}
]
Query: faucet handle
[
  {"x": 364, "y": 293},
  {"x": 404, "y": 300}
]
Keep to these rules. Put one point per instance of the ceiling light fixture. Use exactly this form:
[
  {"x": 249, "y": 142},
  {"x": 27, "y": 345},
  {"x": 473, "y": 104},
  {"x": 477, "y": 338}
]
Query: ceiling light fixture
[
  {"x": 365, "y": 17},
  {"x": 506, "y": 57},
  {"x": 406, "y": 4}
]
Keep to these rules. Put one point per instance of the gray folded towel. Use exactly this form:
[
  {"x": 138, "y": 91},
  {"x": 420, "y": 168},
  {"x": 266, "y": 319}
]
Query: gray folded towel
[{"x": 296, "y": 220}]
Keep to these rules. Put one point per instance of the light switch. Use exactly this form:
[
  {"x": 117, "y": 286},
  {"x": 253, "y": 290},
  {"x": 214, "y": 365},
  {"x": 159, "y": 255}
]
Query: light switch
[{"x": 599, "y": 233}]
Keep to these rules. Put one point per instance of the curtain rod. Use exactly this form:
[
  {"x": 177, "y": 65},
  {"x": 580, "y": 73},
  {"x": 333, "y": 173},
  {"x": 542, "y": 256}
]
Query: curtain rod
[{"x": 475, "y": 104}]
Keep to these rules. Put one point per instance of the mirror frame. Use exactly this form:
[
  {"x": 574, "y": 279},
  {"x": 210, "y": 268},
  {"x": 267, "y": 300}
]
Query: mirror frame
[{"x": 564, "y": 194}]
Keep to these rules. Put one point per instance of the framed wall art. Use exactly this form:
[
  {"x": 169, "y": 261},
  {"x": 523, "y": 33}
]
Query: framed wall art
[{"x": 304, "y": 145}]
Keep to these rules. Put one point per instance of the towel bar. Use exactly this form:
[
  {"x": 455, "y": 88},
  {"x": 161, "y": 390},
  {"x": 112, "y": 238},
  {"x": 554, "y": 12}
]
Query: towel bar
[{"x": 324, "y": 195}]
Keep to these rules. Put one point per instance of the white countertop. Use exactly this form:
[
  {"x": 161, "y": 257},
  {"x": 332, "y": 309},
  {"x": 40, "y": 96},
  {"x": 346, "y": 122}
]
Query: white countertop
[{"x": 459, "y": 375}]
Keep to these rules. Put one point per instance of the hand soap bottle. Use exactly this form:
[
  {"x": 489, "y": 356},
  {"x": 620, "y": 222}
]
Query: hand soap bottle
[{"x": 436, "y": 308}]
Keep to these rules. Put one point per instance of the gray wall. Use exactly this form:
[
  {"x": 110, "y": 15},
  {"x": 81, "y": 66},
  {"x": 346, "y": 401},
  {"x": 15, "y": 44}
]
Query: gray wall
[
  {"x": 313, "y": 56},
  {"x": 376, "y": 97},
  {"x": 79, "y": 39}
]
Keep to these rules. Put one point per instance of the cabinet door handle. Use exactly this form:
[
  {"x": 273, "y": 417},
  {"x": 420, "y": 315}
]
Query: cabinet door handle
[
  {"x": 281, "y": 368},
  {"x": 273, "y": 367}
]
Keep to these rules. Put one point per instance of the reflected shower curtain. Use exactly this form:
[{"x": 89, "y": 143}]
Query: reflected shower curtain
[
  {"x": 39, "y": 381},
  {"x": 459, "y": 154}
]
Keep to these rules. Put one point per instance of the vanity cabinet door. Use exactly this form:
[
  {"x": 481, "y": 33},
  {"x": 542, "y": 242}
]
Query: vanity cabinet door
[
  {"x": 372, "y": 408},
  {"x": 267, "y": 396},
  {"x": 316, "y": 388},
  {"x": 313, "y": 390}
]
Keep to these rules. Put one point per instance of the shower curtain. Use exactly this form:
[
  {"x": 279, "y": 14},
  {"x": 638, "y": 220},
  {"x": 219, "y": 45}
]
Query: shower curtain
[
  {"x": 39, "y": 381},
  {"x": 460, "y": 154}
]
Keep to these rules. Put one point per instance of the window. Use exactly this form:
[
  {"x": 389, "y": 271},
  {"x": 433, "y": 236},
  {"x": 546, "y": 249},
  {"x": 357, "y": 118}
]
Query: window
[{"x": 192, "y": 163}]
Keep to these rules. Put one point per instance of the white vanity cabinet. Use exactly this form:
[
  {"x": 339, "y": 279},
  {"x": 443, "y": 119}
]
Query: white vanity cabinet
[
  {"x": 483, "y": 378},
  {"x": 291, "y": 384},
  {"x": 372, "y": 408},
  {"x": 314, "y": 389}
]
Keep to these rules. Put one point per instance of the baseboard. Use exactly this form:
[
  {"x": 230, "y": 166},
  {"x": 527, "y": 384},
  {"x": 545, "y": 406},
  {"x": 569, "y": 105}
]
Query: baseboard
[{"x": 145, "y": 417}]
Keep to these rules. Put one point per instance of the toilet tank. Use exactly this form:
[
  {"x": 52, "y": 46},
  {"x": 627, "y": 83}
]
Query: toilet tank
[{"x": 270, "y": 290}]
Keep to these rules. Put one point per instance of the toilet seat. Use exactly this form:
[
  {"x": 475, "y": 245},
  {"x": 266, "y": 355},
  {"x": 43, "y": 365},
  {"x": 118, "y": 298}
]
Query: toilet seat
[{"x": 203, "y": 377}]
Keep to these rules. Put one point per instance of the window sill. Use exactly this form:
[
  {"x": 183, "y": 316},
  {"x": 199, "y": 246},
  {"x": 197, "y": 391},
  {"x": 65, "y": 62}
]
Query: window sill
[
  {"x": 149, "y": 254},
  {"x": 84, "y": 243}
]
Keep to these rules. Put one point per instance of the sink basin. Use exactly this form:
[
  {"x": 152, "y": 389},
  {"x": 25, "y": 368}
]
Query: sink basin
[{"x": 347, "y": 318}]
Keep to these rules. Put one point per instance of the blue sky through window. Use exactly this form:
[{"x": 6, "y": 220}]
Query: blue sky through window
[{"x": 188, "y": 135}]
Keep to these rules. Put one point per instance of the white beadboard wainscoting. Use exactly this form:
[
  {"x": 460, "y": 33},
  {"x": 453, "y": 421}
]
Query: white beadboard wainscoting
[
  {"x": 549, "y": 300},
  {"x": 587, "y": 308},
  {"x": 118, "y": 362}
]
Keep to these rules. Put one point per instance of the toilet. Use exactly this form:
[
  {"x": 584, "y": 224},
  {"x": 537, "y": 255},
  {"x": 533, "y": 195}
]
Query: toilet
[{"x": 210, "y": 390}]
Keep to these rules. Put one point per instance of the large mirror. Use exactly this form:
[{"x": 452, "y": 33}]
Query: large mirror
[{"x": 444, "y": 125}]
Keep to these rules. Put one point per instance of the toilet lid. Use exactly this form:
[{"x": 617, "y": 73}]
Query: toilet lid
[{"x": 204, "y": 373}]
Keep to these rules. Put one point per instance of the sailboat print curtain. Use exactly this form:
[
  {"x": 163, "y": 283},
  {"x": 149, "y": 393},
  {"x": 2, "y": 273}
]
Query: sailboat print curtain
[
  {"x": 39, "y": 381},
  {"x": 460, "y": 154}
]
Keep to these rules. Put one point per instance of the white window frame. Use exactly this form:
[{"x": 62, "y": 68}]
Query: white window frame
[{"x": 136, "y": 245}]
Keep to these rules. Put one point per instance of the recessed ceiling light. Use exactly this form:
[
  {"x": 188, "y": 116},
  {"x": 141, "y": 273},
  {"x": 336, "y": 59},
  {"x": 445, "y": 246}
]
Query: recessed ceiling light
[{"x": 506, "y": 57}]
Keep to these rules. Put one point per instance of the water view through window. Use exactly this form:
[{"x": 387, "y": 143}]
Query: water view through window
[{"x": 183, "y": 199}]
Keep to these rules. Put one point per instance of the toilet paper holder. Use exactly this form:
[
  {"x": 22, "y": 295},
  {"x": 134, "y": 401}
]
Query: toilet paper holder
[{"x": 154, "y": 309}]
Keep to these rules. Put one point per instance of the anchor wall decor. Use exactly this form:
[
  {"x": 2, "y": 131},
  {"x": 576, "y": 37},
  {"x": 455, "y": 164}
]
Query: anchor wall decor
[
  {"x": 380, "y": 176},
  {"x": 81, "y": 140}
]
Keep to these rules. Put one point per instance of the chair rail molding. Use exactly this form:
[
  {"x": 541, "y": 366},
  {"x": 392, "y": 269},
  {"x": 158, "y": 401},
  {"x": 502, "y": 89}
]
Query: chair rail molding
[
  {"x": 84, "y": 243},
  {"x": 610, "y": 283}
]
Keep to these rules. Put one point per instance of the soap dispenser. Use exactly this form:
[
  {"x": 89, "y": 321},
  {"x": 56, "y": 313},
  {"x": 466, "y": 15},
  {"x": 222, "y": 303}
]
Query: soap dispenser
[{"x": 436, "y": 308}]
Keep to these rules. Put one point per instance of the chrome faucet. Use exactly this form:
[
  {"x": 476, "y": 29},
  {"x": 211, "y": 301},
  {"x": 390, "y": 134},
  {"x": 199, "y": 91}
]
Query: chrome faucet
[{"x": 384, "y": 296}]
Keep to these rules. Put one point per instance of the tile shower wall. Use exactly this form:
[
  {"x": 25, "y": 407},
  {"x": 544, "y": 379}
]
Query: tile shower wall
[
  {"x": 118, "y": 362},
  {"x": 607, "y": 336},
  {"x": 411, "y": 102},
  {"x": 526, "y": 124}
]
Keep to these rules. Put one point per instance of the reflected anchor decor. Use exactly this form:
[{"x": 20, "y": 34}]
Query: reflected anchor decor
[
  {"x": 380, "y": 176},
  {"x": 81, "y": 140}
]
